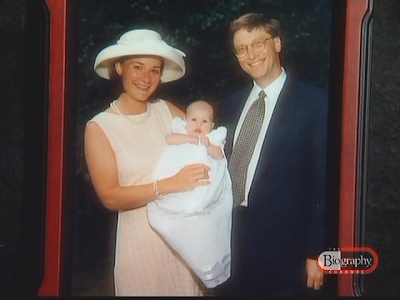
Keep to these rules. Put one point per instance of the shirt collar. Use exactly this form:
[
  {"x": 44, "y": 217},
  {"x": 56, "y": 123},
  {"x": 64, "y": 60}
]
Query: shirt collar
[{"x": 274, "y": 88}]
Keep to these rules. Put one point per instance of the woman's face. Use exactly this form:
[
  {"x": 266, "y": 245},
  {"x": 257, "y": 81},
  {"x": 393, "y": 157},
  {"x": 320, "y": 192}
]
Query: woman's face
[{"x": 140, "y": 75}]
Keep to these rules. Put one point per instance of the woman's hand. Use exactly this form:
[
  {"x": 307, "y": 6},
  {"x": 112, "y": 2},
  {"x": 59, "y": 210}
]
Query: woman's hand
[{"x": 186, "y": 179}]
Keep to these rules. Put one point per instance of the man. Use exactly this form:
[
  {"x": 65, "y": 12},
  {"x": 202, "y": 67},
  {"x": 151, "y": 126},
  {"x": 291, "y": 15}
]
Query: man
[{"x": 279, "y": 178}]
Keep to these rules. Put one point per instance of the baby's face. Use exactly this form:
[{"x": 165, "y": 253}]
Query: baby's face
[{"x": 199, "y": 121}]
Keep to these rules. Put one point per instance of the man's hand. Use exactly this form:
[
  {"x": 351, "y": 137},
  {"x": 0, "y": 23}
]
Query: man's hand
[{"x": 315, "y": 276}]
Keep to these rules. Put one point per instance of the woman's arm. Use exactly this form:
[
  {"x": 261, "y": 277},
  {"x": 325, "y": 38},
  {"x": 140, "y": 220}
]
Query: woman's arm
[{"x": 103, "y": 171}]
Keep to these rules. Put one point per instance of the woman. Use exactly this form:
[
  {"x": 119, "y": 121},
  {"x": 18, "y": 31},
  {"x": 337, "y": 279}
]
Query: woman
[{"x": 122, "y": 146}]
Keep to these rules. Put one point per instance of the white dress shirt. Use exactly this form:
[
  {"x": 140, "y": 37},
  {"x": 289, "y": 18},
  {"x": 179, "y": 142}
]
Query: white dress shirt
[{"x": 272, "y": 91}]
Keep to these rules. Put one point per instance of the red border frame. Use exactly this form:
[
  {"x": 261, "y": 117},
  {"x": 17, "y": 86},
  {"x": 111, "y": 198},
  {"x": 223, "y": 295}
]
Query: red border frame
[
  {"x": 51, "y": 285},
  {"x": 355, "y": 13}
]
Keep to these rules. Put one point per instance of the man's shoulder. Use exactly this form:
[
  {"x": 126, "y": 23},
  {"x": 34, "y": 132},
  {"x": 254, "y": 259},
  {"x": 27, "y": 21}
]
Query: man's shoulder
[
  {"x": 304, "y": 85},
  {"x": 304, "y": 95},
  {"x": 312, "y": 87},
  {"x": 305, "y": 91}
]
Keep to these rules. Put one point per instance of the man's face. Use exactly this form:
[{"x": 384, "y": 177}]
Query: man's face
[{"x": 263, "y": 66}]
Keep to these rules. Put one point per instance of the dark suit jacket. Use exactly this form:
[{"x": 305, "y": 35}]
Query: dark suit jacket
[{"x": 284, "y": 222}]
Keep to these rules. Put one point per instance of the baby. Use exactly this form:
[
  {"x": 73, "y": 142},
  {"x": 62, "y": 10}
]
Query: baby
[
  {"x": 197, "y": 223},
  {"x": 199, "y": 122}
]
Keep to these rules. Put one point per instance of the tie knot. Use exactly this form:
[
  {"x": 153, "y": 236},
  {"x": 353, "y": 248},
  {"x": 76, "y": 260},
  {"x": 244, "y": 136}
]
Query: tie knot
[{"x": 261, "y": 94}]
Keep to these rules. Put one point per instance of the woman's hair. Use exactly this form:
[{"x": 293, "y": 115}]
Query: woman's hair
[{"x": 254, "y": 20}]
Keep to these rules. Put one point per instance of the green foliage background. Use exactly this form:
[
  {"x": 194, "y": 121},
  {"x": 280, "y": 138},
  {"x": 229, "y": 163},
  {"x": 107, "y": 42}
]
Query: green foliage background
[{"x": 200, "y": 29}]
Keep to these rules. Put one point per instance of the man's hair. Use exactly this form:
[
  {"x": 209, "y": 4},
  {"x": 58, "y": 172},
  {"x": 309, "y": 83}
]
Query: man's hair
[{"x": 255, "y": 20}]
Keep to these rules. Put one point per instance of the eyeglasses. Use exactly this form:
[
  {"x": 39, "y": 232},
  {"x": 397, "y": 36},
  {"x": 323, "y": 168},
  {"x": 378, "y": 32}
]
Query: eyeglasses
[{"x": 256, "y": 46}]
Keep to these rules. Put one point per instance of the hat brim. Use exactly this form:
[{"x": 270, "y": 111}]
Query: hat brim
[{"x": 174, "y": 65}]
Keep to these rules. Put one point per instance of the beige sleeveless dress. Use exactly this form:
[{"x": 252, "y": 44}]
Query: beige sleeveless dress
[{"x": 144, "y": 264}]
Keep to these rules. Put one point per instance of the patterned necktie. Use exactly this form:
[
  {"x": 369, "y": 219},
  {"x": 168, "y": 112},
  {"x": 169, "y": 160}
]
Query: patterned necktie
[{"x": 244, "y": 147}]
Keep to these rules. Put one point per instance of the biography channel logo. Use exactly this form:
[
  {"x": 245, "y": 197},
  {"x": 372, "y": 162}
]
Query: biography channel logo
[{"x": 348, "y": 260}]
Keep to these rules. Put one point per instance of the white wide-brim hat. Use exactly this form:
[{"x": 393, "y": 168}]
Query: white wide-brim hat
[{"x": 142, "y": 42}]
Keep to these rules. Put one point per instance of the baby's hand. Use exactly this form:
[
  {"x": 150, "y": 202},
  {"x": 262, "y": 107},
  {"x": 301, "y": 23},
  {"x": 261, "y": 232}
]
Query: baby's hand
[{"x": 205, "y": 141}]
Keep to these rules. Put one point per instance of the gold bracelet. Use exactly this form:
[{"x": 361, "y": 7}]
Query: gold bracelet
[{"x": 156, "y": 190}]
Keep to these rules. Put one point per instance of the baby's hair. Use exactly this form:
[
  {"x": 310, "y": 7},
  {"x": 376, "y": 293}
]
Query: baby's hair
[{"x": 211, "y": 104}]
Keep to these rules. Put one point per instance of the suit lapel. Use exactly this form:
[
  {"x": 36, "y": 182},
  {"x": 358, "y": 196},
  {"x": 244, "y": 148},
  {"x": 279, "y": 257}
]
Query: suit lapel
[{"x": 279, "y": 128}]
